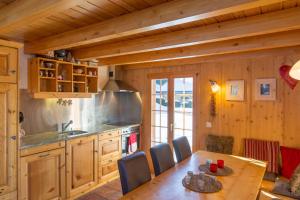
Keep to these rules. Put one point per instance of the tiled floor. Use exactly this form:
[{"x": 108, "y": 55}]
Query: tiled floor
[{"x": 109, "y": 191}]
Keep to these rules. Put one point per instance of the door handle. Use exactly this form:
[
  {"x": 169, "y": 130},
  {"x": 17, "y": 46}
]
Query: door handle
[{"x": 171, "y": 127}]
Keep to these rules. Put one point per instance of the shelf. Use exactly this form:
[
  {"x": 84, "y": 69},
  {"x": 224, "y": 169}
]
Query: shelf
[
  {"x": 49, "y": 69},
  {"x": 45, "y": 77},
  {"x": 74, "y": 85},
  {"x": 64, "y": 81},
  {"x": 81, "y": 82},
  {"x": 74, "y": 74}
]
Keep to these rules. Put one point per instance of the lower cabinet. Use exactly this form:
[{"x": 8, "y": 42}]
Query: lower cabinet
[
  {"x": 66, "y": 170},
  {"x": 82, "y": 165},
  {"x": 110, "y": 150},
  {"x": 42, "y": 174}
]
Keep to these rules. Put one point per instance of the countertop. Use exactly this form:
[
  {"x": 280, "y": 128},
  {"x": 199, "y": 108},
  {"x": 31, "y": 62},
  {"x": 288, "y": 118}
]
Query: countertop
[{"x": 39, "y": 139}]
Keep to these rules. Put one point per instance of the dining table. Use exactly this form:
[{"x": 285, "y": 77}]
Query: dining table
[{"x": 243, "y": 184}]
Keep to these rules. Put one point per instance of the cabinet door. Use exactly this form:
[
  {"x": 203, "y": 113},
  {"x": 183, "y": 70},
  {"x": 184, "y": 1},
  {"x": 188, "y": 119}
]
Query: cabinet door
[
  {"x": 8, "y": 136},
  {"x": 42, "y": 176},
  {"x": 82, "y": 164},
  {"x": 110, "y": 148},
  {"x": 8, "y": 64}
]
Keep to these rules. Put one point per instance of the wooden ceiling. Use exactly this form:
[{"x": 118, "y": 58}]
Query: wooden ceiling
[
  {"x": 83, "y": 14},
  {"x": 128, "y": 32},
  {"x": 213, "y": 20}
]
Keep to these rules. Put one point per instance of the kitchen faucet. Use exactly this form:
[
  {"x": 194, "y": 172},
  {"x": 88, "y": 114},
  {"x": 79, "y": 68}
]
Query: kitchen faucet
[{"x": 64, "y": 126}]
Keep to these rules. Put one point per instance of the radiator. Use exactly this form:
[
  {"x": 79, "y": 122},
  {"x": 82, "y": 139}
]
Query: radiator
[{"x": 263, "y": 150}]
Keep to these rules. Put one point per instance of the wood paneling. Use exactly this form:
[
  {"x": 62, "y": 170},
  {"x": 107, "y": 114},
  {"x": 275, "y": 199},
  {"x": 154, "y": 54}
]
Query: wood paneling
[{"x": 270, "y": 120}]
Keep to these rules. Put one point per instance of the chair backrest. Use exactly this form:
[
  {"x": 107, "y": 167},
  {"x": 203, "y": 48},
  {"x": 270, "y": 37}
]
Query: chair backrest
[
  {"x": 162, "y": 158},
  {"x": 219, "y": 144},
  {"x": 182, "y": 148},
  {"x": 134, "y": 171}
]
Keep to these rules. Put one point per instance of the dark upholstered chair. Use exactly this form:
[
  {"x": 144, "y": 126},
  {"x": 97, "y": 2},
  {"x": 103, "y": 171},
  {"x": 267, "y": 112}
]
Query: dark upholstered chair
[
  {"x": 182, "y": 148},
  {"x": 162, "y": 158},
  {"x": 134, "y": 171},
  {"x": 219, "y": 144}
]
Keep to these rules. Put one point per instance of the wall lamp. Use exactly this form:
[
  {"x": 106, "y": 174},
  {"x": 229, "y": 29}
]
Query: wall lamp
[{"x": 214, "y": 89}]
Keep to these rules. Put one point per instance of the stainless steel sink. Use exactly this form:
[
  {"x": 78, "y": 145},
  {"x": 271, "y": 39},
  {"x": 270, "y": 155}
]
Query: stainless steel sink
[{"x": 75, "y": 133}]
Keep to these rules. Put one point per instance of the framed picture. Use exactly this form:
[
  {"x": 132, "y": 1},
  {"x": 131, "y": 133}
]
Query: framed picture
[
  {"x": 265, "y": 89},
  {"x": 235, "y": 90}
]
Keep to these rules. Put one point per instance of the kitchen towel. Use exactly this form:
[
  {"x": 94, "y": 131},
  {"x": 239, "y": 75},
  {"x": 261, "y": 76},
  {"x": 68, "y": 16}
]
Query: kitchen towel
[{"x": 132, "y": 143}]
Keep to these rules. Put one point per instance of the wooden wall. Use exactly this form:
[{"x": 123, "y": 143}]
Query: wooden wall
[{"x": 271, "y": 120}]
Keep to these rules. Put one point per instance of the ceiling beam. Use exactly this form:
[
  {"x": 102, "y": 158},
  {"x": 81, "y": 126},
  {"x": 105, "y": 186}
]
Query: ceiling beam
[
  {"x": 153, "y": 18},
  {"x": 251, "y": 26},
  {"x": 284, "y": 51},
  {"x": 19, "y": 13},
  {"x": 268, "y": 41}
]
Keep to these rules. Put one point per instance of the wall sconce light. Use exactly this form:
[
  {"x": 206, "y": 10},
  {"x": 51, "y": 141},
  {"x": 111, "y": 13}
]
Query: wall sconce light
[
  {"x": 214, "y": 86},
  {"x": 214, "y": 89},
  {"x": 295, "y": 71}
]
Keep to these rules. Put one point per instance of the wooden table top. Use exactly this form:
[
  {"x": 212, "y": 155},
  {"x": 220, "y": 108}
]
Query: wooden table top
[{"x": 244, "y": 183}]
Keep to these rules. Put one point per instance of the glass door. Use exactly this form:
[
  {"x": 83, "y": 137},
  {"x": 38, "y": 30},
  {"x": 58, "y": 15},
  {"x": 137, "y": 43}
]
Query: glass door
[
  {"x": 159, "y": 111},
  {"x": 183, "y": 108},
  {"x": 172, "y": 104}
]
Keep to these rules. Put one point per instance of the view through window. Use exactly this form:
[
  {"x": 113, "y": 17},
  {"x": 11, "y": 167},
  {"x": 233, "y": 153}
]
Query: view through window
[{"x": 181, "y": 108}]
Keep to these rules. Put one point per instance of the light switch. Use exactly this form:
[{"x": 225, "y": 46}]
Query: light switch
[{"x": 208, "y": 125}]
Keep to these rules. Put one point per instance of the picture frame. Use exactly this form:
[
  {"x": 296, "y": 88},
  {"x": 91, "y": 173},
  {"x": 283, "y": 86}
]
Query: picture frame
[
  {"x": 235, "y": 90},
  {"x": 265, "y": 89}
]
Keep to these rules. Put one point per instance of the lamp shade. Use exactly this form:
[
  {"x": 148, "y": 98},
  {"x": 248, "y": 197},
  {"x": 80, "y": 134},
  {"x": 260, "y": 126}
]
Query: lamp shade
[
  {"x": 295, "y": 71},
  {"x": 214, "y": 86}
]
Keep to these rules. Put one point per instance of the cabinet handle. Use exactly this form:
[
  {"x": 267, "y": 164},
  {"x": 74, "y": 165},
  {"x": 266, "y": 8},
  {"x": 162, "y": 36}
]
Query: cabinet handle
[
  {"x": 110, "y": 161},
  {"x": 44, "y": 155},
  {"x": 109, "y": 134},
  {"x": 12, "y": 71}
]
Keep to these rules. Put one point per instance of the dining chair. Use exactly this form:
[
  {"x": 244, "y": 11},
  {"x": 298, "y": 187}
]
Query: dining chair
[
  {"x": 182, "y": 148},
  {"x": 162, "y": 158},
  {"x": 134, "y": 171}
]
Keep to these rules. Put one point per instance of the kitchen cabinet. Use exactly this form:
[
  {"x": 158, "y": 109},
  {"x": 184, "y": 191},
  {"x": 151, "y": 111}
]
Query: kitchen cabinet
[
  {"x": 42, "y": 173},
  {"x": 49, "y": 78},
  {"x": 82, "y": 164},
  {"x": 8, "y": 118},
  {"x": 8, "y": 64},
  {"x": 8, "y": 137},
  {"x": 110, "y": 150}
]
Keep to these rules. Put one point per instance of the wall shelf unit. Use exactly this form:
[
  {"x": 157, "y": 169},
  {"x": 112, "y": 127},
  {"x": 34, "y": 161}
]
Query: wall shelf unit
[{"x": 59, "y": 79}]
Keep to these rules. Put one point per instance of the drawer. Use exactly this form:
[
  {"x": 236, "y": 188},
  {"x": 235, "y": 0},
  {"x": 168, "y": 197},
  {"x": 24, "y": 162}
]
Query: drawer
[
  {"x": 108, "y": 170},
  {"x": 42, "y": 148},
  {"x": 106, "y": 135},
  {"x": 110, "y": 148}
]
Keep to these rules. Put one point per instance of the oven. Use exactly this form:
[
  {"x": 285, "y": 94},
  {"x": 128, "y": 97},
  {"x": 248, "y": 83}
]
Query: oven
[{"x": 126, "y": 132}]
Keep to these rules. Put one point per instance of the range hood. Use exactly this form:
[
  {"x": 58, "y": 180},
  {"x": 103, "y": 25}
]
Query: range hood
[{"x": 114, "y": 85}]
